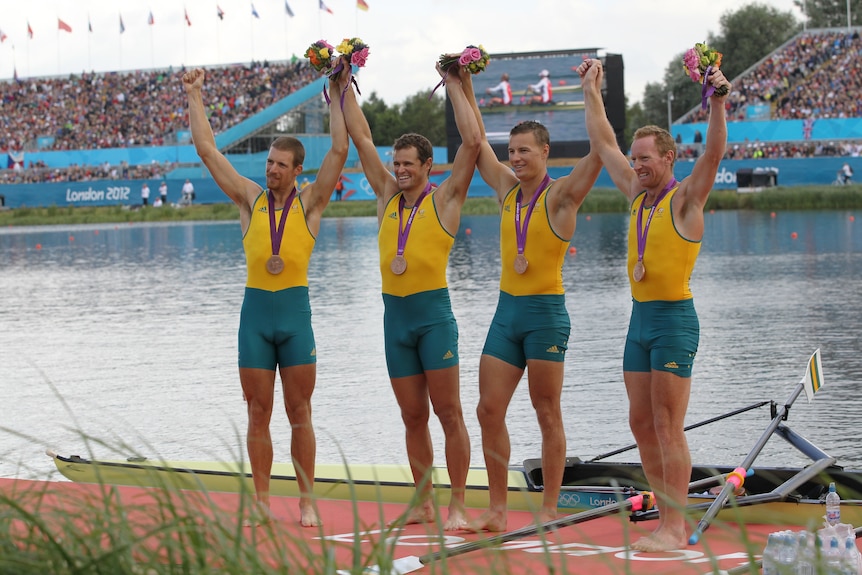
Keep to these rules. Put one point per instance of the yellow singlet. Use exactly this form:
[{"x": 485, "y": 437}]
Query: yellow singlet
[
  {"x": 668, "y": 257},
  {"x": 545, "y": 250},
  {"x": 296, "y": 246},
  {"x": 426, "y": 252}
]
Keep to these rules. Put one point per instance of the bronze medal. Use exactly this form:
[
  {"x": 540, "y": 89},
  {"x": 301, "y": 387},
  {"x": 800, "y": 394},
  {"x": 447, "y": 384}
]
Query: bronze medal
[
  {"x": 398, "y": 265},
  {"x": 639, "y": 272},
  {"x": 521, "y": 264},
  {"x": 275, "y": 265}
]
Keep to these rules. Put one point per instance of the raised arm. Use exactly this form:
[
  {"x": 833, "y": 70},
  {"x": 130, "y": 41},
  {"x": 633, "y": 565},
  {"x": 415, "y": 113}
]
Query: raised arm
[
  {"x": 695, "y": 189},
  {"x": 382, "y": 181},
  {"x": 316, "y": 196},
  {"x": 601, "y": 134},
  {"x": 238, "y": 188},
  {"x": 497, "y": 175},
  {"x": 453, "y": 191}
]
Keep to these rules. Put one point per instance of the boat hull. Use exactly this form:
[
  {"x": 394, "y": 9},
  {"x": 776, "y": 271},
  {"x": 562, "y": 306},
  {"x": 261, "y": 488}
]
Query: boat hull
[{"x": 586, "y": 485}]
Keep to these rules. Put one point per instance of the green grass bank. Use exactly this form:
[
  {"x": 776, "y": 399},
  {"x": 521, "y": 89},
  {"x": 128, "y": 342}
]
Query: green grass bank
[{"x": 599, "y": 201}]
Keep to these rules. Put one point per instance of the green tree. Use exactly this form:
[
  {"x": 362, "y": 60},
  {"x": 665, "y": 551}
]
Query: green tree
[
  {"x": 749, "y": 34},
  {"x": 417, "y": 114},
  {"x": 425, "y": 116},
  {"x": 830, "y": 13}
]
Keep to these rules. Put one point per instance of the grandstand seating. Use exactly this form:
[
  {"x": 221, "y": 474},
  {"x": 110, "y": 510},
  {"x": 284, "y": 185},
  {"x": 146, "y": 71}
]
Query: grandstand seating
[{"x": 814, "y": 74}]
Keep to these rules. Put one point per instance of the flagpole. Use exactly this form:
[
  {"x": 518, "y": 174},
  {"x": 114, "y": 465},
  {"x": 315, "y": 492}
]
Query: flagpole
[
  {"x": 58, "y": 45},
  {"x": 152, "y": 48},
  {"x": 89, "y": 40}
]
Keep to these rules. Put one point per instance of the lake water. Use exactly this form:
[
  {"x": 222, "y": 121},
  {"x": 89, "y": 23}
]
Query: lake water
[{"x": 121, "y": 339}]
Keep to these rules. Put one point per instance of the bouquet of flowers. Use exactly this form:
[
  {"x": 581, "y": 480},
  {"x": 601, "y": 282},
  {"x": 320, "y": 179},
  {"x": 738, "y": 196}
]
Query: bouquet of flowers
[
  {"x": 355, "y": 50},
  {"x": 319, "y": 55},
  {"x": 474, "y": 58},
  {"x": 697, "y": 62}
]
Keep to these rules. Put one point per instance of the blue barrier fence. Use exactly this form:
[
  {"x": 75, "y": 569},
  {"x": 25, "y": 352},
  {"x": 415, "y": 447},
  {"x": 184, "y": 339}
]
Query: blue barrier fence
[{"x": 791, "y": 172}]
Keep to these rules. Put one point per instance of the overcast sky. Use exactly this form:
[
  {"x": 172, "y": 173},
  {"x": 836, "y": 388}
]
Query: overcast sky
[{"x": 405, "y": 36}]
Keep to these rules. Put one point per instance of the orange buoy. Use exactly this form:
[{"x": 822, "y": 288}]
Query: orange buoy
[{"x": 794, "y": 235}]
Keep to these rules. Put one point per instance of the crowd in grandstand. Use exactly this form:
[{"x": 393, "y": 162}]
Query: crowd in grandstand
[
  {"x": 816, "y": 75},
  {"x": 141, "y": 108},
  {"x": 772, "y": 150}
]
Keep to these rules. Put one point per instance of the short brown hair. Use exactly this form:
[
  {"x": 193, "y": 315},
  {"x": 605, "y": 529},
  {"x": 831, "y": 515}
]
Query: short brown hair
[
  {"x": 539, "y": 131},
  {"x": 423, "y": 146},
  {"x": 663, "y": 140},
  {"x": 290, "y": 144}
]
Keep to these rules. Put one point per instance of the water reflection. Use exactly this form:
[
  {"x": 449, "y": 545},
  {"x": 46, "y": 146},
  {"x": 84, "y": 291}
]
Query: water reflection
[{"x": 128, "y": 333}]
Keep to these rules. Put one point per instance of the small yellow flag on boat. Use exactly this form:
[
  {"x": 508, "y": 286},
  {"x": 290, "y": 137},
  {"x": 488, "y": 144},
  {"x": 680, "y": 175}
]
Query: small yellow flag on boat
[{"x": 813, "y": 378}]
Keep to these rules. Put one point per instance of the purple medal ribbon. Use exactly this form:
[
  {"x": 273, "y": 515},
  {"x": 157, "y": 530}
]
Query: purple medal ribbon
[
  {"x": 403, "y": 233},
  {"x": 707, "y": 90},
  {"x": 642, "y": 233},
  {"x": 350, "y": 79},
  {"x": 521, "y": 233},
  {"x": 276, "y": 234}
]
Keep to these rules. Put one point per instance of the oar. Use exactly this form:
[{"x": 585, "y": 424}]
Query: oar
[
  {"x": 636, "y": 503},
  {"x": 689, "y": 428},
  {"x": 747, "y": 463},
  {"x": 412, "y": 563}
]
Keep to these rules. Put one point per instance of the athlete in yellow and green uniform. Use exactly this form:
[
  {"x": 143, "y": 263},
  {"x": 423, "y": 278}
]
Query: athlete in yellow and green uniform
[
  {"x": 275, "y": 323},
  {"x": 531, "y": 326},
  {"x": 417, "y": 227},
  {"x": 663, "y": 331}
]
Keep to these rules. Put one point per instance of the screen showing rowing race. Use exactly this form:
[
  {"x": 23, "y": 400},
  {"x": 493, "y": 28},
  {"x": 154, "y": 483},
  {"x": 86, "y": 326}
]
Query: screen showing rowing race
[{"x": 545, "y": 87}]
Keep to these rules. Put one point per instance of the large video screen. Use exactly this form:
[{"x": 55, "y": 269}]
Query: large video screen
[{"x": 563, "y": 115}]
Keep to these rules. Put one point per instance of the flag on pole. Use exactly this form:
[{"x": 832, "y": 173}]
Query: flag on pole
[
  {"x": 324, "y": 7},
  {"x": 362, "y": 5},
  {"x": 254, "y": 12},
  {"x": 813, "y": 378},
  {"x": 29, "y": 30},
  {"x": 63, "y": 26},
  {"x": 287, "y": 9},
  {"x": 219, "y": 12},
  {"x": 2, "y": 36},
  {"x": 122, "y": 26},
  {"x": 89, "y": 24},
  {"x": 150, "y": 19},
  {"x": 188, "y": 20}
]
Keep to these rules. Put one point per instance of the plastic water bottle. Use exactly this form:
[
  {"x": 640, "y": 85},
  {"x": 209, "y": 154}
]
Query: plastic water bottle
[
  {"x": 805, "y": 557},
  {"x": 851, "y": 557},
  {"x": 833, "y": 506},
  {"x": 832, "y": 558},
  {"x": 787, "y": 554},
  {"x": 770, "y": 554}
]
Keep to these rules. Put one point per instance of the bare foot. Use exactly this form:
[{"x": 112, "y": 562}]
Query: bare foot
[
  {"x": 457, "y": 519},
  {"x": 308, "y": 514},
  {"x": 545, "y": 515},
  {"x": 260, "y": 514},
  {"x": 423, "y": 513},
  {"x": 659, "y": 541},
  {"x": 488, "y": 521}
]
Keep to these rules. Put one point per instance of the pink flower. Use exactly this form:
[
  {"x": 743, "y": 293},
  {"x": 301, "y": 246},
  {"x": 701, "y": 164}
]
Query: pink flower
[
  {"x": 359, "y": 57},
  {"x": 691, "y": 61},
  {"x": 469, "y": 55}
]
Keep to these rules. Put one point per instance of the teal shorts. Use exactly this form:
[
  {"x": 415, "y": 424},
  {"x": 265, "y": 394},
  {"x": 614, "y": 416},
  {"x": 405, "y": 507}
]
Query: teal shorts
[
  {"x": 275, "y": 329},
  {"x": 420, "y": 333},
  {"x": 529, "y": 327},
  {"x": 663, "y": 335}
]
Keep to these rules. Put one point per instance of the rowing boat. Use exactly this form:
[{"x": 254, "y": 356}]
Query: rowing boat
[
  {"x": 521, "y": 108},
  {"x": 586, "y": 484}
]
